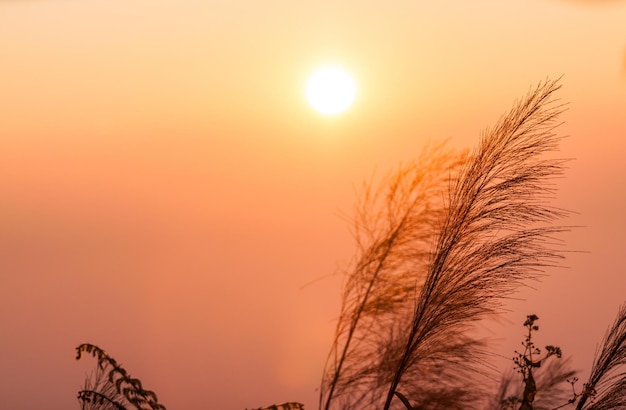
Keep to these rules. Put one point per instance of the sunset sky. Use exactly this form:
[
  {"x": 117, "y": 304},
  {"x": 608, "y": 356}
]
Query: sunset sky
[{"x": 167, "y": 193}]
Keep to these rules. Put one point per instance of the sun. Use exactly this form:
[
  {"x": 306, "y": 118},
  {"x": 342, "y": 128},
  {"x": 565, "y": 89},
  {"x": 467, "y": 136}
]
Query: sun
[{"x": 330, "y": 90}]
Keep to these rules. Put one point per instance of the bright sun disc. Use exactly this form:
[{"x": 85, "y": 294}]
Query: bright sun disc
[{"x": 330, "y": 90}]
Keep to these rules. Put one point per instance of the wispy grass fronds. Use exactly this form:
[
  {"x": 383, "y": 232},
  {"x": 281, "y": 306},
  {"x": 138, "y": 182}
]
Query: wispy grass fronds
[
  {"x": 125, "y": 386},
  {"x": 447, "y": 376},
  {"x": 613, "y": 398},
  {"x": 496, "y": 235},
  {"x": 606, "y": 388},
  {"x": 394, "y": 229},
  {"x": 553, "y": 389}
]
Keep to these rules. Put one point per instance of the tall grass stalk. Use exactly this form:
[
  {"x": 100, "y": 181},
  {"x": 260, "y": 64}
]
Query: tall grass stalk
[
  {"x": 451, "y": 237},
  {"x": 394, "y": 230},
  {"x": 497, "y": 233}
]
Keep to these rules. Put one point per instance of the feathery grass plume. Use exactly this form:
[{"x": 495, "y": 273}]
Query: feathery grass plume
[
  {"x": 606, "y": 388},
  {"x": 394, "y": 229},
  {"x": 125, "y": 386},
  {"x": 496, "y": 235}
]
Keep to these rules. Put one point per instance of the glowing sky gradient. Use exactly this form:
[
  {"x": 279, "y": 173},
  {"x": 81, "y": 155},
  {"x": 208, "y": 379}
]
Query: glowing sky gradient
[{"x": 167, "y": 193}]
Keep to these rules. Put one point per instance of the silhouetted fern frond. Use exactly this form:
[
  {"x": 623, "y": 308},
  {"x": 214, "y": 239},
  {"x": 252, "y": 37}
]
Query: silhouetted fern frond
[
  {"x": 99, "y": 393},
  {"x": 124, "y": 386}
]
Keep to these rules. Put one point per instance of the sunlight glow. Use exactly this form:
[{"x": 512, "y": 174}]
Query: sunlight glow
[{"x": 330, "y": 90}]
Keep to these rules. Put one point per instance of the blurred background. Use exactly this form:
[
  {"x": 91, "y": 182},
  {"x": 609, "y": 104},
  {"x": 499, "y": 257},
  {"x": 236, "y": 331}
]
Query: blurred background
[{"x": 167, "y": 194}]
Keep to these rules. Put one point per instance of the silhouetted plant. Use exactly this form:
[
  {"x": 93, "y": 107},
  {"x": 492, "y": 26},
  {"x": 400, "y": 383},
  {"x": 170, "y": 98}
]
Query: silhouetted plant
[
  {"x": 529, "y": 359},
  {"x": 99, "y": 393},
  {"x": 461, "y": 255},
  {"x": 606, "y": 387},
  {"x": 439, "y": 248},
  {"x": 394, "y": 230},
  {"x": 292, "y": 405},
  {"x": 550, "y": 381},
  {"x": 127, "y": 391},
  {"x": 496, "y": 234}
]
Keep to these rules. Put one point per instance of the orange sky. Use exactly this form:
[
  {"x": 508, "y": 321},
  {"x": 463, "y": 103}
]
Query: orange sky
[{"x": 166, "y": 192}]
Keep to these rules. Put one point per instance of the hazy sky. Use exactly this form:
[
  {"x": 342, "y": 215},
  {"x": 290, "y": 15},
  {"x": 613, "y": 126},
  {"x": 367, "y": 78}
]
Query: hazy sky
[{"x": 167, "y": 193}]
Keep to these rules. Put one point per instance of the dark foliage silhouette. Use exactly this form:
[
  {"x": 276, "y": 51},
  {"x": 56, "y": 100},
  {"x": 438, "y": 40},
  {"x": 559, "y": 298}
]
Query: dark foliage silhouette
[
  {"x": 127, "y": 393},
  {"x": 543, "y": 382},
  {"x": 99, "y": 393}
]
